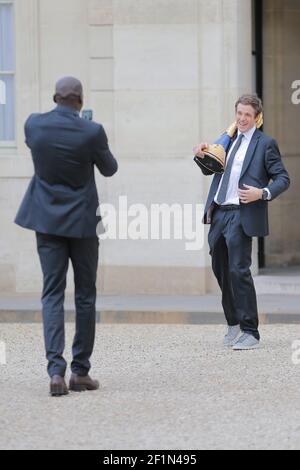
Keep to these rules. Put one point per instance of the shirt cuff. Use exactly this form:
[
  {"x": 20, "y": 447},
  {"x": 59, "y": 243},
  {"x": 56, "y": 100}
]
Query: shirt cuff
[{"x": 269, "y": 194}]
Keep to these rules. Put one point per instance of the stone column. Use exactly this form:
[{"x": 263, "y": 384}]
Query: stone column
[
  {"x": 155, "y": 102},
  {"x": 225, "y": 73}
]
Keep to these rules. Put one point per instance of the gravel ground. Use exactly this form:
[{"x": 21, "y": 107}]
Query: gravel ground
[{"x": 163, "y": 387}]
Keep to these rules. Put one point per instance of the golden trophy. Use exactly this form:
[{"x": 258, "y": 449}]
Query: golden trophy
[{"x": 214, "y": 159}]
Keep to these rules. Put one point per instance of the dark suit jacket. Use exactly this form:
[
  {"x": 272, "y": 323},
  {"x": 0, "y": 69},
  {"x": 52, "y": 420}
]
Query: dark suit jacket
[
  {"x": 263, "y": 168},
  {"x": 62, "y": 196}
]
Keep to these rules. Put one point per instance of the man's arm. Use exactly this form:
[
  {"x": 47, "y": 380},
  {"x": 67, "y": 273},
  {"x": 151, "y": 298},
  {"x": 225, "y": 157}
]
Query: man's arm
[
  {"x": 277, "y": 173},
  {"x": 276, "y": 170},
  {"x": 27, "y": 130},
  {"x": 103, "y": 158}
]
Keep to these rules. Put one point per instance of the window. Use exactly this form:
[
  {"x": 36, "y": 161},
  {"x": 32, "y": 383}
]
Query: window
[{"x": 7, "y": 72}]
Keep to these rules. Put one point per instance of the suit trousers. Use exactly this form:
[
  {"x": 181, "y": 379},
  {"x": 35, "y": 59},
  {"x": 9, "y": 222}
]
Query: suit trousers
[
  {"x": 231, "y": 251},
  {"x": 55, "y": 253}
]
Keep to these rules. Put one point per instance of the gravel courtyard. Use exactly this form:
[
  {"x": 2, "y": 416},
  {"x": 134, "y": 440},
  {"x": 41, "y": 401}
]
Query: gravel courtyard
[{"x": 163, "y": 387}]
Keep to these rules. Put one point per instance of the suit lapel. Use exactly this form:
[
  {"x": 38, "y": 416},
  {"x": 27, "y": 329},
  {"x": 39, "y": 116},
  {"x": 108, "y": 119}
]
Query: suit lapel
[{"x": 250, "y": 151}]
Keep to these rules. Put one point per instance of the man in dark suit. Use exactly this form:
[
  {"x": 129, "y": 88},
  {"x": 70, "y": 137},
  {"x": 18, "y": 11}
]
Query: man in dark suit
[
  {"x": 61, "y": 206},
  {"x": 237, "y": 209}
]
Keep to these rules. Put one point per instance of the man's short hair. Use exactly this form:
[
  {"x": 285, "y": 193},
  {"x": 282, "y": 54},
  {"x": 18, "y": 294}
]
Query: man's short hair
[
  {"x": 252, "y": 100},
  {"x": 69, "y": 86}
]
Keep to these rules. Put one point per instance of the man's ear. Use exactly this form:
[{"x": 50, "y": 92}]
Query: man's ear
[{"x": 55, "y": 98}]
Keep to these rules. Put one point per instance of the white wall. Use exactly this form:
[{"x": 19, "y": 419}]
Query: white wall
[{"x": 161, "y": 75}]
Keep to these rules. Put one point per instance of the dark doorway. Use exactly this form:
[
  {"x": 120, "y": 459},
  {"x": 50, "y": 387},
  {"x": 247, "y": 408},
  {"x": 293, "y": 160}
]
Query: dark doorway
[{"x": 258, "y": 56}]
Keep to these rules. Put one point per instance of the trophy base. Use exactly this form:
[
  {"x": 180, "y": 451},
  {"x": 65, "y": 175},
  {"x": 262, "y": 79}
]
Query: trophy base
[{"x": 210, "y": 163}]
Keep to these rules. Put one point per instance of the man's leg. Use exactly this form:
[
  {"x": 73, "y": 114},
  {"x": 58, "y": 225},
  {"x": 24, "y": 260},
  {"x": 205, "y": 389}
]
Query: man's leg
[
  {"x": 220, "y": 265},
  {"x": 240, "y": 260},
  {"x": 54, "y": 257},
  {"x": 84, "y": 256}
]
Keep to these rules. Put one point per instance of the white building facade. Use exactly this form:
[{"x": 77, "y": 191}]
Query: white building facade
[{"x": 161, "y": 76}]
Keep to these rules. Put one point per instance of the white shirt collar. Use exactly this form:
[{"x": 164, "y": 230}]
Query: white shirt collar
[{"x": 249, "y": 134}]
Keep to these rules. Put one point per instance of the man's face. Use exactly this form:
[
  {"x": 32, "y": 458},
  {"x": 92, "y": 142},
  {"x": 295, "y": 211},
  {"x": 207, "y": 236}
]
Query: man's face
[{"x": 246, "y": 117}]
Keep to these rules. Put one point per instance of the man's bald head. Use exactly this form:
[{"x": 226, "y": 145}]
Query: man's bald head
[{"x": 69, "y": 92}]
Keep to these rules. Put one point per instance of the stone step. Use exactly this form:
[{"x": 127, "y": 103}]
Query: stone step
[
  {"x": 277, "y": 285},
  {"x": 141, "y": 309}
]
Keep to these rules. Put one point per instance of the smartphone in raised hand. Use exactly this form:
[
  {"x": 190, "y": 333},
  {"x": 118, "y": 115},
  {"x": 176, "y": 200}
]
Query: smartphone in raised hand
[{"x": 87, "y": 114}]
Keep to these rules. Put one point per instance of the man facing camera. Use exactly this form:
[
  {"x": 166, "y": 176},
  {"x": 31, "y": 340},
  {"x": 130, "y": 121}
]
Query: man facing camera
[
  {"x": 61, "y": 206},
  {"x": 237, "y": 209}
]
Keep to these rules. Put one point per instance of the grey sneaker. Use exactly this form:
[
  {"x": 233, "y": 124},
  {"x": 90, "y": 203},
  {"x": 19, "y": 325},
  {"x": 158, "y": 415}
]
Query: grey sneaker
[
  {"x": 234, "y": 332},
  {"x": 246, "y": 342}
]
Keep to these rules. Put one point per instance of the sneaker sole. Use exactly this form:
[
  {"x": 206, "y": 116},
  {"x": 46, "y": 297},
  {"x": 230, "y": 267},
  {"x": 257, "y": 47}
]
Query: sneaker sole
[{"x": 249, "y": 348}]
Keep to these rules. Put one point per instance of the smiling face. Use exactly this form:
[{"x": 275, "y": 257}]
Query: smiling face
[{"x": 246, "y": 117}]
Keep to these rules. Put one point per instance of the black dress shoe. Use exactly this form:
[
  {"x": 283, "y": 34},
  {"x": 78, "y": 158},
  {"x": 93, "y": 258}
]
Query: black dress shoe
[
  {"x": 58, "y": 386},
  {"x": 81, "y": 384}
]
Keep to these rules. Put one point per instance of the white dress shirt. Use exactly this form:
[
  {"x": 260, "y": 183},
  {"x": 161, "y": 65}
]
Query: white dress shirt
[{"x": 232, "y": 197}]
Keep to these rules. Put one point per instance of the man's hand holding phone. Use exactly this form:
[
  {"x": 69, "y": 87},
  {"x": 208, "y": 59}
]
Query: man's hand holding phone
[{"x": 87, "y": 114}]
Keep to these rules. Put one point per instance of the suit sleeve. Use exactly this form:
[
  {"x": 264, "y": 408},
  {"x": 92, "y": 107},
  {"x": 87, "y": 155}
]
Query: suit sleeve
[
  {"x": 27, "y": 131},
  {"x": 276, "y": 170},
  {"x": 103, "y": 158}
]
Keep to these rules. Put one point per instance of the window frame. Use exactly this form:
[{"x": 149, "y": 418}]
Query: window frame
[{"x": 11, "y": 143}]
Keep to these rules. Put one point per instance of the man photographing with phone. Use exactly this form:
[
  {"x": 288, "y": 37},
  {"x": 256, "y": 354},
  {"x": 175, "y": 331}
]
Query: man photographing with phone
[{"x": 61, "y": 206}]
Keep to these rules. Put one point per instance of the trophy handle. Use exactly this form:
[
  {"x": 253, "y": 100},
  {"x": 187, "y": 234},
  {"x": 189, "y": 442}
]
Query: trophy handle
[
  {"x": 231, "y": 131},
  {"x": 260, "y": 121}
]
